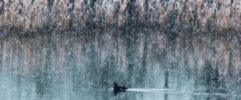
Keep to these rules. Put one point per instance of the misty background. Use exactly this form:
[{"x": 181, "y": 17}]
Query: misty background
[{"x": 76, "y": 49}]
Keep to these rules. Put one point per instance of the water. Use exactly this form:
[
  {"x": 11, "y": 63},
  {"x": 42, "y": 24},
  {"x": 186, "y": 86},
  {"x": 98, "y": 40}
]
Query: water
[
  {"x": 159, "y": 49},
  {"x": 84, "y": 66}
]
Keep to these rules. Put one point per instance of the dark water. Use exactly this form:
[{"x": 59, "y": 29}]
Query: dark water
[{"x": 154, "y": 65}]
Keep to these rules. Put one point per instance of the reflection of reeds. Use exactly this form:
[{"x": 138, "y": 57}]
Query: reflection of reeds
[
  {"x": 105, "y": 53},
  {"x": 216, "y": 16}
]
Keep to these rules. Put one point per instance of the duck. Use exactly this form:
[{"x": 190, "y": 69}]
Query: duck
[{"x": 118, "y": 89}]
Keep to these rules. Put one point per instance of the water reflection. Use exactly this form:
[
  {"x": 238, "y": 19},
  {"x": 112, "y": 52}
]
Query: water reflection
[
  {"x": 157, "y": 95},
  {"x": 66, "y": 65}
]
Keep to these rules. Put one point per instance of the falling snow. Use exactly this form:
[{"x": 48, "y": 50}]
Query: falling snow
[{"x": 159, "y": 49}]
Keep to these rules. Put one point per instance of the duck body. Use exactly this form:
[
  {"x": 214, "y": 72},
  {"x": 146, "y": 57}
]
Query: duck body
[{"x": 118, "y": 89}]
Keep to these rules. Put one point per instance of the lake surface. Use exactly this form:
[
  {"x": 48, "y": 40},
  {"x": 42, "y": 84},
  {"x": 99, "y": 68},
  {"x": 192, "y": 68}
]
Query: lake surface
[{"x": 84, "y": 66}]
